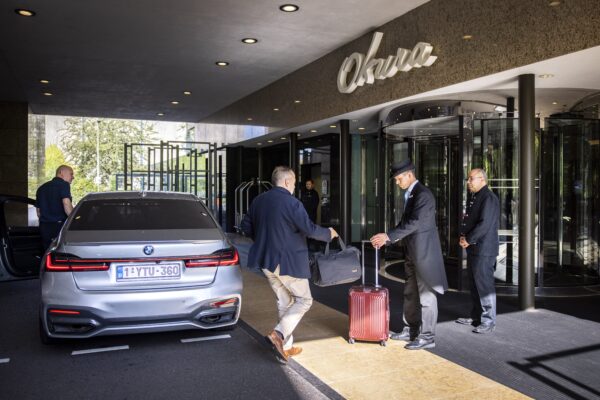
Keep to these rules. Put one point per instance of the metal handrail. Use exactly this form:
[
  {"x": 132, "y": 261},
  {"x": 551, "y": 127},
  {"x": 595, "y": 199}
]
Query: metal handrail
[{"x": 241, "y": 193}]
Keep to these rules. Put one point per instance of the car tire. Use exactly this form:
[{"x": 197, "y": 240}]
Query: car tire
[{"x": 44, "y": 338}]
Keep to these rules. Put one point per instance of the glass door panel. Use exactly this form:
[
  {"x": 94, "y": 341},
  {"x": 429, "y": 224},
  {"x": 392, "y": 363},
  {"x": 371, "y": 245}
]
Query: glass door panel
[{"x": 571, "y": 206}]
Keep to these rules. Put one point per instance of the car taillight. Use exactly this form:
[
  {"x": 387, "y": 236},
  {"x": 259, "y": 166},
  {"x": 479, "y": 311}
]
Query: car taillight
[
  {"x": 217, "y": 259},
  {"x": 63, "y": 312},
  {"x": 65, "y": 263}
]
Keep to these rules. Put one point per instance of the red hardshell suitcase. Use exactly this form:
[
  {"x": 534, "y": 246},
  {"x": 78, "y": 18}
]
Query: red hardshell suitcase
[{"x": 369, "y": 308}]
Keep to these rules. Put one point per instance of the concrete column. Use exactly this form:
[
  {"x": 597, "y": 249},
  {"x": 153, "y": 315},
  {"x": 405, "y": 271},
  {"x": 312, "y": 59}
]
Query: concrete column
[
  {"x": 13, "y": 148},
  {"x": 345, "y": 186},
  {"x": 526, "y": 191}
]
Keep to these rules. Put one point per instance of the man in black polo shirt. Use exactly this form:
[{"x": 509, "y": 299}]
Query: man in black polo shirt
[{"x": 53, "y": 203}]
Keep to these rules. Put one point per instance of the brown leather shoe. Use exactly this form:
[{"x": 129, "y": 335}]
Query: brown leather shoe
[
  {"x": 294, "y": 351},
  {"x": 277, "y": 345}
]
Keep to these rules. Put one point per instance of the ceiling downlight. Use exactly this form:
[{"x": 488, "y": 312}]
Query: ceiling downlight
[
  {"x": 289, "y": 8},
  {"x": 24, "y": 12}
]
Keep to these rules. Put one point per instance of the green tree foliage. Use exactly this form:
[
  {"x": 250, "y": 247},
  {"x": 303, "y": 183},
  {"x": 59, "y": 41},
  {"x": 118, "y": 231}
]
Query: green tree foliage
[
  {"x": 82, "y": 139},
  {"x": 54, "y": 159}
]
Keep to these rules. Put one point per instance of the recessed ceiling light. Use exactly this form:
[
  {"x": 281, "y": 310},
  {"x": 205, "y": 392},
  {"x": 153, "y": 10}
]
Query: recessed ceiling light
[
  {"x": 283, "y": 138},
  {"x": 249, "y": 40},
  {"x": 249, "y": 119},
  {"x": 554, "y": 3},
  {"x": 44, "y": 81},
  {"x": 24, "y": 13},
  {"x": 259, "y": 144},
  {"x": 47, "y": 94},
  {"x": 361, "y": 129},
  {"x": 174, "y": 102},
  {"x": 222, "y": 63},
  {"x": 555, "y": 102},
  {"x": 298, "y": 134},
  {"x": 187, "y": 93},
  {"x": 546, "y": 76},
  {"x": 312, "y": 130},
  {"x": 332, "y": 126},
  {"x": 289, "y": 8},
  {"x": 467, "y": 37},
  {"x": 276, "y": 109},
  {"x": 297, "y": 101},
  {"x": 269, "y": 141},
  {"x": 160, "y": 114}
]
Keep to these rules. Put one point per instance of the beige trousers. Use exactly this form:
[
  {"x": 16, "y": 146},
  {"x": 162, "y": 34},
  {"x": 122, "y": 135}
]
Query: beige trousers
[{"x": 293, "y": 301}]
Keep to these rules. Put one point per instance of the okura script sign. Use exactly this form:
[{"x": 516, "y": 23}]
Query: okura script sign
[{"x": 367, "y": 68}]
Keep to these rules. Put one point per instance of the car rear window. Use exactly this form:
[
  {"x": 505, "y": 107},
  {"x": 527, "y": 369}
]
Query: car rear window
[{"x": 139, "y": 214}]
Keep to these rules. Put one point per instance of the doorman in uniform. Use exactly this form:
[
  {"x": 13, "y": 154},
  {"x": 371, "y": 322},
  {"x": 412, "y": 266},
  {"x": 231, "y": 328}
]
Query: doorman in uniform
[
  {"x": 479, "y": 235},
  {"x": 425, "y": 272}
]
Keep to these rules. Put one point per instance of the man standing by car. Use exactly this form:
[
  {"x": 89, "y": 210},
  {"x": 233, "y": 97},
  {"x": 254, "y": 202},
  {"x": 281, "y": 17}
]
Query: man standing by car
[
  {"x": 425, "y": 272},
  {"x": 279, "y": 225},
  {"x": 479, "y": 235},
  {"x": 54, "y": 204}
]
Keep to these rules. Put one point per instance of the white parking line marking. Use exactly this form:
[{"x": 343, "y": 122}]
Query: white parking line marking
[
  {"x": 201, "y": 339},
  {"x": 4, "y": 360},
  {"x": 99, "y": 350}
]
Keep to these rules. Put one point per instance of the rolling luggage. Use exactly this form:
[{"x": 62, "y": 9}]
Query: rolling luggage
[{"x": 369, "y": 308}]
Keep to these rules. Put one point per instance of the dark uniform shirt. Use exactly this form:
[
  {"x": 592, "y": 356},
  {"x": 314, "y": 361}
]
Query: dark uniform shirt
[
  {"x": 48, "y": 199},
  {"x": 480, "y": 223},
  {"x": 310, "y": 200}
]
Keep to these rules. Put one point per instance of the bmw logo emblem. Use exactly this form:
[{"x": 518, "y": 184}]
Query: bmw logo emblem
[{"x": 148, "y": 250}]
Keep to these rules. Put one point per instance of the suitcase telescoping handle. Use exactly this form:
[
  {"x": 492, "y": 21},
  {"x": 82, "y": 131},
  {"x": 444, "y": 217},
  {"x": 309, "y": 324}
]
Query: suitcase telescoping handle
[{"x": 376, "y": 263}]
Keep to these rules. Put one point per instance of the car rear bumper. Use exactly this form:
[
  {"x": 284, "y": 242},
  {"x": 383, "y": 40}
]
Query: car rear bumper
[{"x": 72, "y": 313}]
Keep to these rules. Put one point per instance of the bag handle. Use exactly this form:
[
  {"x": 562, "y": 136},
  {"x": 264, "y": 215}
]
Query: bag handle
[
  {"x": 342, "y": 245},
  {"x": 376, "y": 263}
]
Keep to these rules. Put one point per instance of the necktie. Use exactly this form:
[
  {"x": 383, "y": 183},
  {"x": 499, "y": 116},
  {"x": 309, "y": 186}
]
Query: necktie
[{"x": 406, "y": 195}]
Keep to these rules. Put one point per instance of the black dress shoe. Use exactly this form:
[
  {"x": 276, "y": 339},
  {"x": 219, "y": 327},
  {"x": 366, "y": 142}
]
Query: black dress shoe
[
  {"x": 467, "y": 321},
  {"x": 484, "y": 328},
  {"x": 419, "y": 344},
  {"x": 404, "y": 335}
]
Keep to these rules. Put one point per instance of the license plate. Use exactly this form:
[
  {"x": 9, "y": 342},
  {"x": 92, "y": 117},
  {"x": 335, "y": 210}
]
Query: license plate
[{"x": 140, "y": 272}]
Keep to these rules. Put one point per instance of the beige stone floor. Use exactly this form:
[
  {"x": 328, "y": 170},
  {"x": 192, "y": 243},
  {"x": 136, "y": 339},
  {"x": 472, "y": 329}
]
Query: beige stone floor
[{"x": 366, "y": 370}]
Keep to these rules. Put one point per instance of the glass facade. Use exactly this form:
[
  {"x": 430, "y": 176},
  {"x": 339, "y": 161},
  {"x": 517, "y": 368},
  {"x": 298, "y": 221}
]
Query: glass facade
[{"x": 571, "y": 201}]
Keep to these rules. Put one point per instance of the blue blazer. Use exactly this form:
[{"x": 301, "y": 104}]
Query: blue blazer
[{"x": 279, "y": 225}]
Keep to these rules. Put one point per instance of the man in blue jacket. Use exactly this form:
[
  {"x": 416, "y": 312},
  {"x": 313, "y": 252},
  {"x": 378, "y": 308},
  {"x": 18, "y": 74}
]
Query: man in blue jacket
[
  {"x": 279, "y": 225},
  {"x": 479, "y": 235}
]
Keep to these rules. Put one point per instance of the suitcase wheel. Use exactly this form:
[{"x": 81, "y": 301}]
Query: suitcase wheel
[
  {"x": 383, "y": 343},
  {"x": 351, "y": 340}
]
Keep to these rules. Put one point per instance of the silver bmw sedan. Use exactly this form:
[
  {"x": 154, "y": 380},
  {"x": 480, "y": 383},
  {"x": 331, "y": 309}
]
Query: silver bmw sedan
[{"x": 132, "y": 262}]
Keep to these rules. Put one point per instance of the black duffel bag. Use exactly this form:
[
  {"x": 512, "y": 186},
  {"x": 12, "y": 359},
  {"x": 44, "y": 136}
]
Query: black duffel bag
[{"x": 335, "y": 268}]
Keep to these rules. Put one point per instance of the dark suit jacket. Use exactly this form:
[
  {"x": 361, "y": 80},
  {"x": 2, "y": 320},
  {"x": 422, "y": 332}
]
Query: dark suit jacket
[
  {"x": 417, "y": 228},
  {"x": 310, "y": 199},
  {"x": 480, "y": 223},
  {"x": 279, "y": 225}
]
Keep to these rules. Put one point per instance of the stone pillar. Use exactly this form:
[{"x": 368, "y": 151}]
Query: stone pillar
[{"x": 13, "y": 148}]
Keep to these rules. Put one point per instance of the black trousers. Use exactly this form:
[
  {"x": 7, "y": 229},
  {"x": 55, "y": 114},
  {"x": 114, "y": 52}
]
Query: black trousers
[
  {"x": 48, "y": 231},
  {"x": 483, "y": 289},
  {"x": 420, "y": 311}
]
